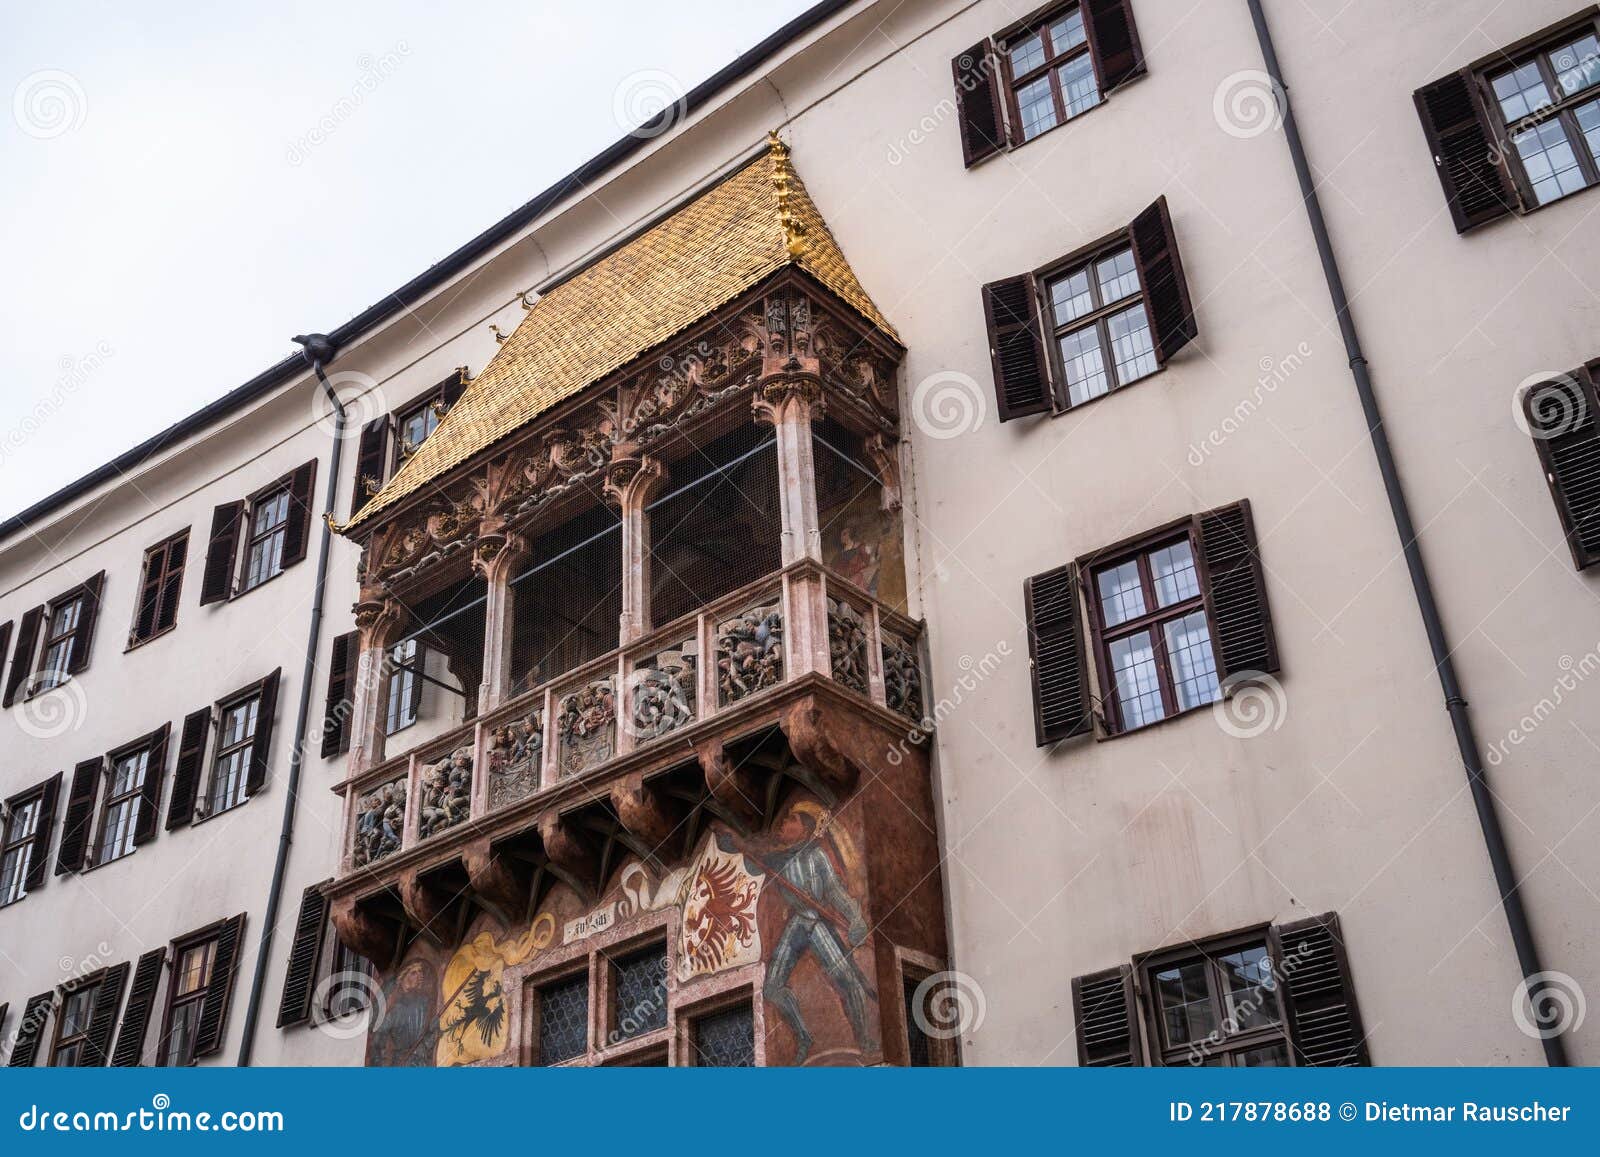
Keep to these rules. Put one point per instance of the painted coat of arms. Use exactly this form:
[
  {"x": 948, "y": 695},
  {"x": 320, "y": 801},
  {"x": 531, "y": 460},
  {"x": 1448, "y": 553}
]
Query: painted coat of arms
[{"x": 718, "y": 929}]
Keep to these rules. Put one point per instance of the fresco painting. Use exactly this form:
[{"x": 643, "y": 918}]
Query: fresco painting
[{"x": 862, "y": 542}]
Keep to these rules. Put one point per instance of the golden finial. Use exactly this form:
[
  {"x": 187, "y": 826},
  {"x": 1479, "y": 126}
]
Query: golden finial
[
  {"x": 499, "y": 338},
  {"x": 794, "y": 229},
  {"x": 331, "y": 523}
]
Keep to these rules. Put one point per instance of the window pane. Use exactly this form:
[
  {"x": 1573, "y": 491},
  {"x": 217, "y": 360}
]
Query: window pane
[
  {"x": 1036, "y": 107},
  {"x": 1133, "y": 665},
  {"x": 1194, "y": 669},
  {"x": 641, "y": 1001},
  {"x": 1252, "y": 989},
  {"x": 1520, "y": 91},
  {"x": 564, "y": 1020},
  {"x": 402, "y": 686},
  {"x": 1067, "y": 32},
  {"x": 1186, "y": 1013},
  {"x": 1264, "y": 1057},
  {"x": 179, "y": 1045},
  {"x": 1027, "y": 54},
  {"x": 13, "y": 870},
  {"x": 1078, "y": 84},
  {"x": 75, "y": 1012},
  {"x": 1118, "y": 276},
  {"x": 726, "y": 1039},
  {"x": 194, "y": 969},
  {"x": 1070, "y": 298},
  {"x": 1577, "y": 65},
  {"x": 1131, "y": 345},
  {"x": 1550, "y": 163},
  {"x": 1085, "y": 365},
  {"x": 1172, "y": 568},
  {"x": 1121, "y": 596},
  {"x": 918, "y": 1045},
  {"x": 1589, "y": 124}
]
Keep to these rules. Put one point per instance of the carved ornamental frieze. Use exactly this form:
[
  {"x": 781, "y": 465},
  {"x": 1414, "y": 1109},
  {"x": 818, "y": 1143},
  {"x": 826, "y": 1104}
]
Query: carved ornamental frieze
[
  {"x": 515, "y": 756},
  {"x": 380, "y": 823},
  {"x": 446, "y": 793},
  {"x": 749, "y": 652},
  {"x": 662, "y": 692}
]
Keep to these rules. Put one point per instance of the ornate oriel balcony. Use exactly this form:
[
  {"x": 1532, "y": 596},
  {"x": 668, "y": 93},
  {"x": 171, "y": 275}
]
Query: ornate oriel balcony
[{"x": 657, "y": 545}]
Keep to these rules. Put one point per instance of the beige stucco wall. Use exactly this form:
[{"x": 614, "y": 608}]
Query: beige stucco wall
[{"x": 1065, "y": 862}]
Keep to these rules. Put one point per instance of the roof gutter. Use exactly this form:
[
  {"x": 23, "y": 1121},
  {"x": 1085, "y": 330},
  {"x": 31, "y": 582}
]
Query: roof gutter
[
  {"x": 411, "y": 294},
  {"x": 319, "y": 350},
  {"x": 1534, "y": 978}
]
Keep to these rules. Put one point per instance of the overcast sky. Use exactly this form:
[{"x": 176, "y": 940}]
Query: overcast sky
[{"x": 183, "y": 187}]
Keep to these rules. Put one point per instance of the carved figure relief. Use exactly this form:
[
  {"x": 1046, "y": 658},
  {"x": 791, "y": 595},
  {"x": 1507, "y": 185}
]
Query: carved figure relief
[
  {"x": 586, "y": 727},
  {"x": 847, "y": 645},
  {"x": 446, "y": 793},
  {"x": 380, "y": 823},
  {"x": 662, "y": 692},
  {"x": 750, "y": 652},
  {"x": 515, "y": 755},
  {"x": 902, "y": 677}
]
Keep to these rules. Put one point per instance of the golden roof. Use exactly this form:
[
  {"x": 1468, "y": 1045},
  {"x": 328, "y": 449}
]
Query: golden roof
[{"x": 663, "y": 281}]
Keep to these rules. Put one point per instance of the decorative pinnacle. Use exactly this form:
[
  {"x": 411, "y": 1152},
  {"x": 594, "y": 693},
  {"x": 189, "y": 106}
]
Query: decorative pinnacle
[{"x": 783, "y": 177}]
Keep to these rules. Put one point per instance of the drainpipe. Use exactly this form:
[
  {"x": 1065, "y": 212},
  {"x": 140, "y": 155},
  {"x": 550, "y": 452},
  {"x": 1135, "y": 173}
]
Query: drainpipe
[
  {"x": 317, "y": 349},
  {"x": 1455, "y": 703}
]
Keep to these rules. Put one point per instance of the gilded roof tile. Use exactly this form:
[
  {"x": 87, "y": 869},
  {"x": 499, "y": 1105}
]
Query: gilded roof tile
[{"x": 663, "y": 281}]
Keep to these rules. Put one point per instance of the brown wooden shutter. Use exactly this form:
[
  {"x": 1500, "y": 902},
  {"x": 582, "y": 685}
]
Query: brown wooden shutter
[
  {"x": 5, "y": 642},
  {"x": 336, "y": 714},
  {"x": 1061, "y": 706},
  {"x": 1564, "y": 418},
  {"x": 451, "y": 389},
  {"x": 219, "y": 993},
  {"x": 144, "y": 614},
  {"x": 371, "y": 455},
  {"x": 1235, "y": 591},
  {"x": 1016, "y": 349},
  {"x": 297, "y": 532},
  {"x": 39, "y": 855},
  {"x": 83, "y": 637},
  {"x": 155, "y": 773},
  {"x": 1166, "y": 293},
  {"x": 299, "y": 981},
  {"x": 4, "y": 1008},
  {"x": 1320, "y": 1000},
  {"x": 261, "y": 746},
  {"x": 80, "y": 816},
  {"x": 1465, "y": 151},
  {"x": 1106, "y": 1020},
  {"x": 141, "y": 1002},
  {"x": 978, "y": 96},
  {"x": 222, "y": 552},
  {"x": 1113, "y": 41},
  {"x": 158, "y": 593},
  {"x": 35, "y": 1015},
  {"x": 96, "y": 1051},
  {"x": 22, "y": 660},
  {"x": 191, "y": 763},
  {"x": 172, "y": 584}
]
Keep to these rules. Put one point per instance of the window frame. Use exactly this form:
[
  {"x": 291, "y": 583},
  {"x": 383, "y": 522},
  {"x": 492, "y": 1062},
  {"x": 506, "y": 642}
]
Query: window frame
[
  {"x": 405, "y": 687},
  {"x": 38, "y": 684},
  {"x": 1039, "y": 23},
  {"x": 1101, "y": 636},
  {"x": 168, "y": 574},
  {"x": 533, "y": 987},
  {"x": 1536, "y": 50},
  {"x": 221, "y": 749},
  {"x": 688, "y": 1020},
  {"x": 1161, "y": 1054},
  {"x": 205, "y": 938},
  {"x": 430, "y": 405},
  {"x": 88, "y": 990},
  {"x": 609, "y": 960},
  {"x": 1085, "y": 260},
  {"x": 253, "y": 509},
  {"x": 33, "y": 797},
  {"x": 105, "y": 800}
]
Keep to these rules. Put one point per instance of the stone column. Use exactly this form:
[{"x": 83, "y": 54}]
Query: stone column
[
  {"x": 497, "y": 557},
  {"x": 788, "y": 400},
  {"x": 631, "y": 483},
  {"x": 379, "y": 622}
]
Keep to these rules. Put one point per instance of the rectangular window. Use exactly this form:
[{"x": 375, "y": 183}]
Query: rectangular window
[
  {"x": 191, "y": 979},
  {"x": 72, "y": 1031},
  {"x": 413, "y": 426},
  {"x": 269, "y": 524},
  {"x": 1099, "y": 325},
  {"x": 16, "y": 854},
  {"x": 1548, "y": 102},
  {"x": 62, "y": 624},
  {"x": 230, "y": 768},
  {"x": 1153, "y": 634},
  {"x": 562, "y": 1031},
  {"x": 119, "y": 812},
  {"x": 1219, "y": 1007},
  {"x": 350, "y": 991},
  {"x": 1051, "y": 75},
  {"x": 638, "y": 993},
  {"x": 405, "y": 685},
  {"x": 159, "y": 588},
  {"x": 724, "y": 1039}
]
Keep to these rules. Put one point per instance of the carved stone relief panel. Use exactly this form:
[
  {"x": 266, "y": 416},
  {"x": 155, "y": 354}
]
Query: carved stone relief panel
[
  {"x": 750, "y": 652},
  {"x": 380, "y": 822},
  {"x": 446, "y": 793},
  {"x": 847, "y": 645},
  {"x": 515, "y": 754},
  {"x": 661, "y": 691},
  {"x": 586, "y": 727}
]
